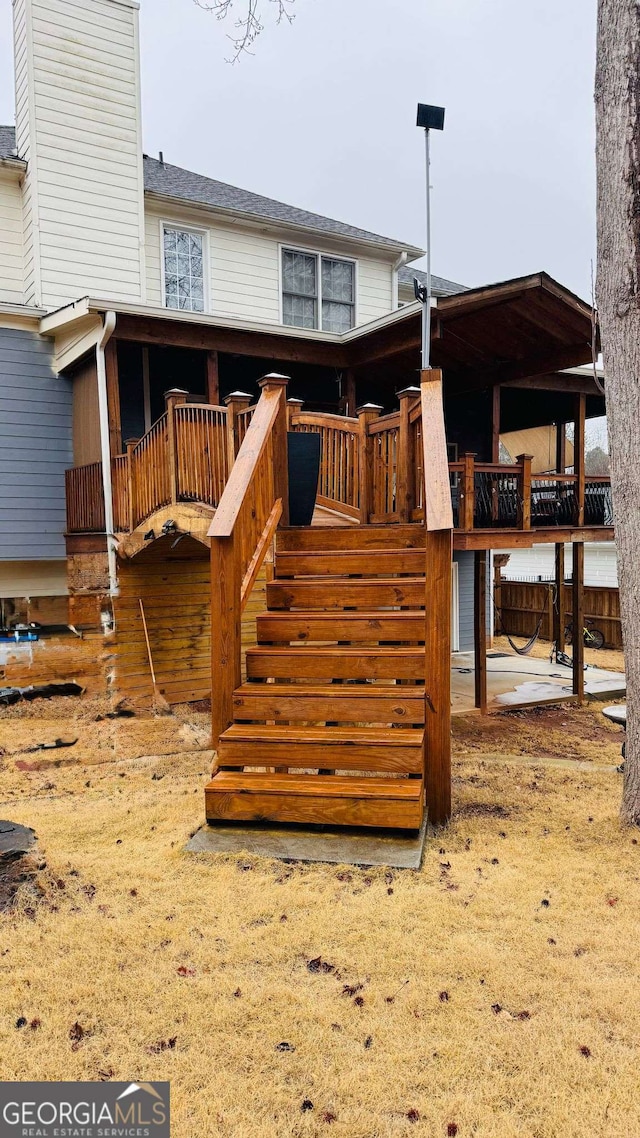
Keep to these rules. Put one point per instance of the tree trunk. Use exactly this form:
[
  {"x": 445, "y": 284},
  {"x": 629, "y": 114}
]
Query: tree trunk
[{"x": 618, "y": 291}]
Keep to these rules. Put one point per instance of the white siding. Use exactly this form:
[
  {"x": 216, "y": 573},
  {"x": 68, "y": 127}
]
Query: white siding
[
  {"x": 537, "y": 563},
  {"x": 11, "y": 263},
  {"x": 375, "y": 297},
  {"x": 244, "y": 266},
  {"x": 77, "y": 94}
]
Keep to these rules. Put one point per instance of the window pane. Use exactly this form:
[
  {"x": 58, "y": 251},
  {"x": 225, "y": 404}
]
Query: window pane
[
  {"x": 299, "y": 311},
  {"x": 299, "y": 273},
  {"x": 337, "y": 280},
  {"x": 184, "y": 270},
  {"x": 336, "y": 317}
]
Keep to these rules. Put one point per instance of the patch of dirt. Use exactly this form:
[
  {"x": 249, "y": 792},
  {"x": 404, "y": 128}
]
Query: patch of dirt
[{"x": 565, "y": 732}]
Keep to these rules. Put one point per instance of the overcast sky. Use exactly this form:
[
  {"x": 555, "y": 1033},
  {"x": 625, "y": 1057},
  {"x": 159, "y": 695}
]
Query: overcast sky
[{"x": 322, "y": 116}]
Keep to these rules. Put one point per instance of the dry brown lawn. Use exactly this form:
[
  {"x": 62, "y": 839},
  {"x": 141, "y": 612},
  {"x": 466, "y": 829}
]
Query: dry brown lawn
[{"x": 493, "y": 993}]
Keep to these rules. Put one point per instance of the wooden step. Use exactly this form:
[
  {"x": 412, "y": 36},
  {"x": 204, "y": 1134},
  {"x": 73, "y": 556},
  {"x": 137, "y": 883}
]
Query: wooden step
[
  {"x": 366, "y": 563},
  {"x": 340, "y": 663},
  {"x": 353, "y": 592},
  {"x": 328, "y": 800},
  {"x": 383, "y": 749},
  {"x": 375, "y": 627},
  {"x": 341, "y": 703},
  {"x": 352, "y": 537}
]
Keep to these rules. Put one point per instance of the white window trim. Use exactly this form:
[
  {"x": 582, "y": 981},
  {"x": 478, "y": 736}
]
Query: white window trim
[
  {"x": 180, "y": 227},
  {"x": 318, "y": 254}
]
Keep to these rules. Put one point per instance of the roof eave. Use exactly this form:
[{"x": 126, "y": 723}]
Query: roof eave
[{"x": 389, "y": 246}]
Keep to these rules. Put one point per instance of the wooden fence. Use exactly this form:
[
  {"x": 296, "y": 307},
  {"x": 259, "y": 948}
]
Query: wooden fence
[{"x": 521, "y": 603}]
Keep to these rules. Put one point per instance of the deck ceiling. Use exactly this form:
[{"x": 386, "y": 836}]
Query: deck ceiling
[{"x": 488, "y": 336}]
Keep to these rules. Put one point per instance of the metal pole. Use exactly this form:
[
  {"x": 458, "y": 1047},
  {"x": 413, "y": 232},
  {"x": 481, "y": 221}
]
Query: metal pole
[{"x": 426, "y": 307}]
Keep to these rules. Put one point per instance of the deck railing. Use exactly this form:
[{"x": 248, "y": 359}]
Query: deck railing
[
  {"x": 254, "y": 501},
  {"x": 184, "y": 457},
  {"x": 371, "y": 469},
  {"x": 339, "y": 481}
]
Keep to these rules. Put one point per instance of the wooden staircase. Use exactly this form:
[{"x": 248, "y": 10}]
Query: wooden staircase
[{"x": 329, "y": 726}]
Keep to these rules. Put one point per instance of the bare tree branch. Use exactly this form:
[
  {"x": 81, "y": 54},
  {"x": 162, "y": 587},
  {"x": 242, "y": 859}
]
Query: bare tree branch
[{"x": 250, "y": 24}]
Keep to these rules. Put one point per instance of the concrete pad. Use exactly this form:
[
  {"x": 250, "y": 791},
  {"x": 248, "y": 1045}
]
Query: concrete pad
[
  {"x": 296, "y": 843},
  {"x": 521, "y": 681}
]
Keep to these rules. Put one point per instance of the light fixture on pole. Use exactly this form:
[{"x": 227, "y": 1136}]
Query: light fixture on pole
[{"x": 429, "y": 118}]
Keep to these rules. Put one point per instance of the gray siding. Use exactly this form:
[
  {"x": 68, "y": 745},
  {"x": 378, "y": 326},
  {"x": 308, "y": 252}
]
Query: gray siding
[
  {"x": 35, "y": 449},
  {"x": 464, "y": 560}
]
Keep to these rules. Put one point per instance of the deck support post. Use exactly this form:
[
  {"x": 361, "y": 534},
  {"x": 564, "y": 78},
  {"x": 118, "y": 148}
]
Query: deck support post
[
  {"x": 438, "y": 516},
  {"x": 366, "y": 414},
  {"x": 113, "y": 396},
  {"x": 468, "y": 491},
  {"x": 495, "y": 424},
  {"x": 579, "y": 454},
  {"x": 226, "y": 632},
  {"x": 437, "y": 726},
  {"x": 480, "y": 628},
  {"x": 561, "y": 448},
  {"x": 235, "y": 402},
  {"x": 577, "y": 640},
  {"x": 131, "y": 482},
  {"x": 176, "y": 397},
  {"x": 559, "y": 610},
  {"x": 279, "y": 452},
  {"x": 294, "y": 407},
  {"x": 524, "y": 505},
  {"x": 405, "y": 503},
  {"x": 349, "y": 392},
  {"x": 213, "y": 380}
]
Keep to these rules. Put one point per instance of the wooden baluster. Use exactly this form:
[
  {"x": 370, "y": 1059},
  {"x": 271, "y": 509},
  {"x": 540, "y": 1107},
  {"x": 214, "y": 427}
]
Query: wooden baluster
[
  {"x": 524, "y": 498},
  {"x": 130, "y": 444},
  {"x": 270, "y": 382},
  {"x": 468, "y": 492},
  {"x": 176, "y": 397},
  {"x": 366, "y": 414},
  {"x": 236, "y": 402}
]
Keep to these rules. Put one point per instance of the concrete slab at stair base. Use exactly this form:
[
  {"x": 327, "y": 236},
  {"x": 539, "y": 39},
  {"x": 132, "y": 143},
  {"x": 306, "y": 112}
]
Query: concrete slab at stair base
[{"x": 297, "y": 843}]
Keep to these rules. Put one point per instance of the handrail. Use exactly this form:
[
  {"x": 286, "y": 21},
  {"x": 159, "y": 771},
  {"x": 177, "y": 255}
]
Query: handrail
[{"x": 254, "y": 502}]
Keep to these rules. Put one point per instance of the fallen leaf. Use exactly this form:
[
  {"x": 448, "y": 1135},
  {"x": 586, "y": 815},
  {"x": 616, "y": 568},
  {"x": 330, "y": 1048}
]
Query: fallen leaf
[
  {"x": 413, "y": 1115},
  {"x": 284, "y": 1046},
  {"x": 307, "y": 1105}
]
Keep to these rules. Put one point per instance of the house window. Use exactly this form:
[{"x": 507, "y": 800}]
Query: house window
[
  {"x": 183, "y": 269},
  {"x": 317, "y": 292}
]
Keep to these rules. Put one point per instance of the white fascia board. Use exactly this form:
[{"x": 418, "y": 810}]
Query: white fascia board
[
  {"x": 391, "y": 248},
  {"x": 12, "y": 169},
  {"x": 85, "y": 306}
]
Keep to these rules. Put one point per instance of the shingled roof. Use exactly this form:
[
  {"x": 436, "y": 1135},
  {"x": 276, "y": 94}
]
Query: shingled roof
[
  {"x": 440, "y": 286},
  {"x": 174, "y": 182},
  {"x": 7, "y": 141}
]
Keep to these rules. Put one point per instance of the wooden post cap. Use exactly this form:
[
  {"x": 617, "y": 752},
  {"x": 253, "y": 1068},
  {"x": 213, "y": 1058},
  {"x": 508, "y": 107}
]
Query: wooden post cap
[
  {"x": 295, "y": 401},
  {"x": 374, "y": 408},
  {"x": 415, "y": 391},
  {"x": 274, "y": 379},
  {"x": 238, "y": 397},
  {"x": 176, "y": 394}
]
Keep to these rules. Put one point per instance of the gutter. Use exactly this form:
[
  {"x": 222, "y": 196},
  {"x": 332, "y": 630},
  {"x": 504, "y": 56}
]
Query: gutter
[
  {"x": 105, "y": 448},
  {"x": 396, "y": 266}
]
